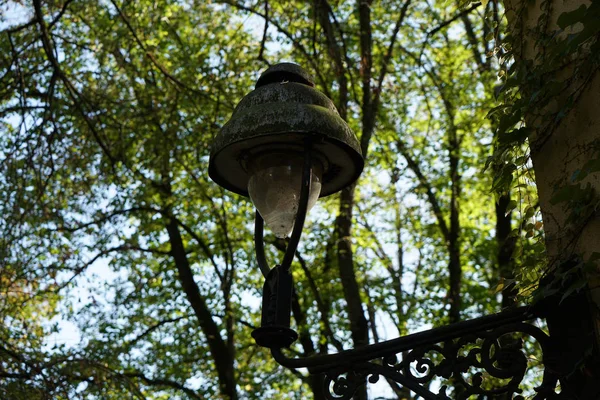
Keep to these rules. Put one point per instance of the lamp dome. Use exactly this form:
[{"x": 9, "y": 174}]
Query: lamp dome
[{"x": 277, "y": 117}]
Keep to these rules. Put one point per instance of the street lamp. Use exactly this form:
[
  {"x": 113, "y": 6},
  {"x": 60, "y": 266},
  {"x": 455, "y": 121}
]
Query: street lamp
[{"x": 284, "y": 147}]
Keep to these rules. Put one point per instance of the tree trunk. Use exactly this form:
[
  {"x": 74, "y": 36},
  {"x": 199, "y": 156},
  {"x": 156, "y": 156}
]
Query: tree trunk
[
  {"x": 314, "y": 381},
  {"x": 565, "y": 138},
  {"x": 358, "y": 323},
  {"x": 454, "y": 266},
  {"x": 221, "y": 355},
  {"x": 506, "y": 246}
]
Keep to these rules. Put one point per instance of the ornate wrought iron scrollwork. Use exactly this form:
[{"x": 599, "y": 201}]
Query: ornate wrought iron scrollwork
[
  {"x": 497, "y": 353},
  {"x": 341, "y": 385},
  {"x": 485, "y": 358}
]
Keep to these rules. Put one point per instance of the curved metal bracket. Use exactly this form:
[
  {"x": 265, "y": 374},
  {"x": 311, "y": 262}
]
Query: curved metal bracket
[
  {"x": 489, "y": 348},
  {"x": 259, "y": 246},
  {"x": 277, "y": 290},
  {"x": 298, "y": 223}
]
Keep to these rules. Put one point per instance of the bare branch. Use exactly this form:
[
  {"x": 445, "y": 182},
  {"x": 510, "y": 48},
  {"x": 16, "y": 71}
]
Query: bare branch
[
  {"x": 264, "y": 37},
  {"x": 416, "y": 169},
  {"x": 316, "y": 67},
  {"x": 163, "y": 382},
  {"x": 389, "y": 53},
  {"x": 451, "y": 20},
  {"x": 155, "y": 327}
]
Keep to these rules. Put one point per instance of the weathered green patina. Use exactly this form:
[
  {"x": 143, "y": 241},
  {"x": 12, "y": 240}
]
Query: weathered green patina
[{"x": 279, "y": 115}]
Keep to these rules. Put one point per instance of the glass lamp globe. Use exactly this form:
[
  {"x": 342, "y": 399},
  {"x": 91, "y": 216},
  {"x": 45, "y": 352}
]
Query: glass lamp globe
[{"x": 274, "y": 188}]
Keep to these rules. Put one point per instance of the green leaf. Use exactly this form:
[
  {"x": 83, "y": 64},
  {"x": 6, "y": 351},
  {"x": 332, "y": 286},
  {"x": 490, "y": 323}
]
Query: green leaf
[
  {"x": 504, "y": 178},
  {"x": 511, "y": 206},
  {"x": 529, "y": 211},
  {"x": 499, "y": 287},
  {"x": 510, "y": 120},
  {"x": 516, "y": 136},
  {"x": 575, "y": 287},
  {"x": 572, "y": 17},
  {"x": 563, "y": 194},
  {"x": 588, "y": 168},
  {"x": 595, "y": 256}
]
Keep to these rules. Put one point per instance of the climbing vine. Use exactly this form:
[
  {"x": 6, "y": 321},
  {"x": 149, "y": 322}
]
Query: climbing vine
[{"x": 536, "y": 94}]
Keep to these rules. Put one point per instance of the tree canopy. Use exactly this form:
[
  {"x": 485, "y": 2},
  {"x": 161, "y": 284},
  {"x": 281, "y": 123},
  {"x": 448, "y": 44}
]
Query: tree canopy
[{"x": 113, "y": 233}]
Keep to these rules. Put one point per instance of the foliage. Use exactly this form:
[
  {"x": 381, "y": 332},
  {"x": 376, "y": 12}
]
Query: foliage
[
  {"x": 109, "y": 220},
  {"x": 536, "y": 96}
]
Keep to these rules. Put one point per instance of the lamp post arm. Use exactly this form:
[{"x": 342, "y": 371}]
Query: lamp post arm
[
  {"x": 395, "y": 346},
  {"x": 259, "y": 245},
  {"x": 275, "y": 328},
  {"x": 302, "y": 206},
  {"x": 492, "y": 344},
  {"x": 290, "y": 251}
]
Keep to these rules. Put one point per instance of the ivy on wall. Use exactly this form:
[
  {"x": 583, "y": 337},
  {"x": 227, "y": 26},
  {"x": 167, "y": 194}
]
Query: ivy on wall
[{"x": 534, "y": 99}]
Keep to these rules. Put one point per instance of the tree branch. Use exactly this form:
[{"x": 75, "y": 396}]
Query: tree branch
[
  {"x": 155, "y": 327},
  {"x": 333, "y": 48},
  {"x": 34, "y": 20},
  {"x": 416, "y": 169},
  {"x": 481, "y": 62},
  {"x": 388, "y": 54},
  {"x": 451, "y": 20},
  {"x": 264, "y": 37},
  {"x": 316, "y": 67},
  {"x": 203, "y": 246},
  {"x": 163, "y": 382},
  {"x": 280, "y": 245},
  {"x": 107, "y": 217},
  {"x": 221, "y": 354}
]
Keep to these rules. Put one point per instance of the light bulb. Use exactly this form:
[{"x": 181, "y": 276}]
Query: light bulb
[{"x": 274, "y": 188}]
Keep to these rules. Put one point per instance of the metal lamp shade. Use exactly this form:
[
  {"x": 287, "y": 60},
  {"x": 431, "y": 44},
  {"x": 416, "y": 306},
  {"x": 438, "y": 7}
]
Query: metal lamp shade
[{"x": 278, "y": 116}]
